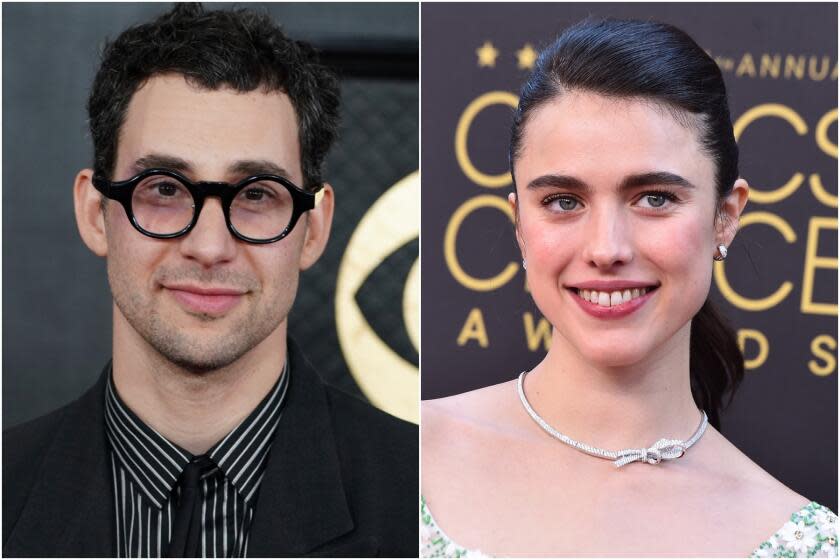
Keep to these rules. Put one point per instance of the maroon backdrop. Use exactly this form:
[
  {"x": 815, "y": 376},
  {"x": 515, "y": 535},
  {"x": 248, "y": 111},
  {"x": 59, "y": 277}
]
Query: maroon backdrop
[{"x": 779, "y": 285}]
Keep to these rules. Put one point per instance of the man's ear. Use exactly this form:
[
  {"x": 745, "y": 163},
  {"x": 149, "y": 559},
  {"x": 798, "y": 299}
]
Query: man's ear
[
  {"x": 319, "y": 222},
  {"x": 730, "y": 212},
  {"x": 90, "y": 215}
]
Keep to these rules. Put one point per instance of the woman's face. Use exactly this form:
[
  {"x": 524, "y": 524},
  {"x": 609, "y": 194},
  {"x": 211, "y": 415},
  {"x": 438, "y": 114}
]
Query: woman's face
[{"x": 615, "y": 199}]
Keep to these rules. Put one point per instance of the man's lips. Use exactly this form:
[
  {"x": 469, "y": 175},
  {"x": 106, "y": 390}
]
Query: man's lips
[{"x": 206, "y": 300}]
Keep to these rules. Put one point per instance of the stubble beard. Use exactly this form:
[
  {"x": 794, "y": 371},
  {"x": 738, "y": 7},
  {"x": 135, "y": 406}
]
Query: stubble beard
[{"x": 194, "y": 350}]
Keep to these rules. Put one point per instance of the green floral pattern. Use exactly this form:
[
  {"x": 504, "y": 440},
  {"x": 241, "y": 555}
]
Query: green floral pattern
[{"x": 810, "y": 533}]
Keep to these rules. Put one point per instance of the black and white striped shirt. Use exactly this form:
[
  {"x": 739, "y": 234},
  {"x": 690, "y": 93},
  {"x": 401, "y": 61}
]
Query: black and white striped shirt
[{"x": 146, "y": 468}]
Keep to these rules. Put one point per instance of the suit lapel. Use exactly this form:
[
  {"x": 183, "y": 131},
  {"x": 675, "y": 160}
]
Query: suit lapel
[
  {"x": 301, "y": 503},
  {"x": 70, "y": 511}
]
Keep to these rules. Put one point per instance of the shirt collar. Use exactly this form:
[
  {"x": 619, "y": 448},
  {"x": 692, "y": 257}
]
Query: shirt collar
[{"x": 155, "y": 463}]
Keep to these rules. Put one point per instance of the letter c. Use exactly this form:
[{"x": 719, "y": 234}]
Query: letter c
[
  {"x": 793, "y": 118},
  {"x": 462, "y": 132},
  {"x": 761, "y": 304},
  {"x": 451, "y": 236}
]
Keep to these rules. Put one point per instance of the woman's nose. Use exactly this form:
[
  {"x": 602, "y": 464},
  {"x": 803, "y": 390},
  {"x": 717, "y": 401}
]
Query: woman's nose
[{"x": 608, "y": 242}]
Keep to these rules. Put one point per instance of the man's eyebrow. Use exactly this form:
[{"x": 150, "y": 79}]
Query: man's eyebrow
[
  {"x": 244, "y": 167},
  {"x": 630, "y": 182},
  {"x": 153, "y": 161},
  {"x": 257, "y": 167}
]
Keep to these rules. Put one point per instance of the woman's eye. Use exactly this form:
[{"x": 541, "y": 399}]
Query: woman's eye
[
  {"x": 563, "y": 203},
  {"x": 657, "y": 199}
]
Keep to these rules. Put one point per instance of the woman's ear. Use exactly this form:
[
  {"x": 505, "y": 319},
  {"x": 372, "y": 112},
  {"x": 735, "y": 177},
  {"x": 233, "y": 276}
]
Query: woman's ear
[
  {"x": 512, "y": 200},
  {"x": 730, "y": 212},
  {"x": 89, "y": 205}
]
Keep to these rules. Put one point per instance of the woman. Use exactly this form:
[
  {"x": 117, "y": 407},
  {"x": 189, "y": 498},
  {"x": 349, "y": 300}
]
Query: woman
[{"x": 626, "y": 190}]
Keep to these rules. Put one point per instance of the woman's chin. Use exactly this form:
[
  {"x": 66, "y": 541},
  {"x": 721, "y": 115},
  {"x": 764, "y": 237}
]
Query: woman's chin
[{"x": 615, "y": 355}]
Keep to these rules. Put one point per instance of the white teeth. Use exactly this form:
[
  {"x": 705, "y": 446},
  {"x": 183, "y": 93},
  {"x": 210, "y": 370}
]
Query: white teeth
[{"x": 609, "y": 299}]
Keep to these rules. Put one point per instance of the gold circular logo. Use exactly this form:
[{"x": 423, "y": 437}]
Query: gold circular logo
[
  {"x": 462, "y": 131},
  {"x": 389, "y": 381}
]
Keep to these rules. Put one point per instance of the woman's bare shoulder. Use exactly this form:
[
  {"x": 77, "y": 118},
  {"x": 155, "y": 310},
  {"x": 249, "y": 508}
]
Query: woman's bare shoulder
[
  {"x": 460, "y": 436},
  {"x": 466, "y": 420},
  {"x": 475, "y": 407},
  {"x": 768, "y": 496}
]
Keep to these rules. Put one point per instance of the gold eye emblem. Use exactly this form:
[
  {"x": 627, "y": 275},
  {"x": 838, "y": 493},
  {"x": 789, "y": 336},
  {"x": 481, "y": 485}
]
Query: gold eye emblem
[{"x": 387, "y": 380}]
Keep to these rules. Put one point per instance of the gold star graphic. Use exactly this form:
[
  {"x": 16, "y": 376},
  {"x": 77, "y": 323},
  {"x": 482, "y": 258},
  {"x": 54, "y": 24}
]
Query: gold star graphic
[
  {"x": 487, "y": 54},
  {"x": 526, "y": 57}
]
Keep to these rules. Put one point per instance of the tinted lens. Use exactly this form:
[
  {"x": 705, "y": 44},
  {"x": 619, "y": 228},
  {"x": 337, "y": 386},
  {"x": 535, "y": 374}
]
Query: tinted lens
[
  {"x": 262, "y": 210},
  {"x": 162, "y": 205}
]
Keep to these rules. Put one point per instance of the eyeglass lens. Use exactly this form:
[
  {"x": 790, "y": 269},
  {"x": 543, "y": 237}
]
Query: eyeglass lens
[{"x": 163, "y": 205}]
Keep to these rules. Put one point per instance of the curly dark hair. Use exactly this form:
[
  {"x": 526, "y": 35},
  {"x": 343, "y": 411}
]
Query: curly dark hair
[{"x": 239, "y": 49}]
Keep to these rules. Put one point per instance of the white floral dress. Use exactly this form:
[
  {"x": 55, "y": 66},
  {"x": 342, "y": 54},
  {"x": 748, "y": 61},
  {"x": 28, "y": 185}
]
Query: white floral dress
[{"x": 810, "y": 533}]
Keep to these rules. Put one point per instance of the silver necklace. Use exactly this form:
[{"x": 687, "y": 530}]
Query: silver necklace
[{"x": 662, "y": 450}]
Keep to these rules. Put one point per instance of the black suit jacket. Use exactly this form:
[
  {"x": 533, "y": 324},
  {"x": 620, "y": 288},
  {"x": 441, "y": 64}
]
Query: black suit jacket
[{"x": 341, "y": 479}]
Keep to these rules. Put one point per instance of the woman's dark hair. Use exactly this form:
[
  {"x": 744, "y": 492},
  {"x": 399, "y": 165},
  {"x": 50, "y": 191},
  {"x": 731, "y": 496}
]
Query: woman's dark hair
[
  {"x": 239, "y": 49},
  {"x": 656, "y": 62}
]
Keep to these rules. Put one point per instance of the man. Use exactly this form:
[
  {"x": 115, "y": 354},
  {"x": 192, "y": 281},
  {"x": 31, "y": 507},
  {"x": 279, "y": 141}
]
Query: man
[{"x": 209, "y": 434}]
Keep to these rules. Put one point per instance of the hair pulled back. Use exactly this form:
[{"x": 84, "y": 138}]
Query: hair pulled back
[{"x": 657, "y": 62}]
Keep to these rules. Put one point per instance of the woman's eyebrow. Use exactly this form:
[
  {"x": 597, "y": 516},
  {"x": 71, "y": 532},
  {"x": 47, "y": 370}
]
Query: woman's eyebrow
[
  {"x": 630, "y": 182},
  {"x": 559, "y": 181},
  {"x": 655, "y": 178}
]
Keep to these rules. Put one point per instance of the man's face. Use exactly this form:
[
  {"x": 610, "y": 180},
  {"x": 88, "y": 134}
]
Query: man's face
[{"x": 205, "y": 299}]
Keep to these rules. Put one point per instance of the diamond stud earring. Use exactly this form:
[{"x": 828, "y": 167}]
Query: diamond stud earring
[{"x": 721, "y": 253}]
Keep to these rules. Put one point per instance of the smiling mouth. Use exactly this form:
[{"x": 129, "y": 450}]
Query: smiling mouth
[
  {"x": 611, "y": 298},
  {"x": 206, "y": 302}
]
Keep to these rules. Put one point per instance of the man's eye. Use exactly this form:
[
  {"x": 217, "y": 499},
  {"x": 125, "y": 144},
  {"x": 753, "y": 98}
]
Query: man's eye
[
  {"x": 258, "y": 195},
  {"x": 166, "y": 189}
]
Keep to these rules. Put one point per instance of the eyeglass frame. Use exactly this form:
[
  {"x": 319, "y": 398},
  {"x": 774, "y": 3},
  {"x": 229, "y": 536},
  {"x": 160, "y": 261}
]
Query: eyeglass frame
[{"x": 123, "y": 191}]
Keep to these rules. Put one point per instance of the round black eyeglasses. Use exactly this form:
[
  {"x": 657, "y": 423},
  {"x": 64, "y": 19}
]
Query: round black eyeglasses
[{"x": 164, "y": 204}]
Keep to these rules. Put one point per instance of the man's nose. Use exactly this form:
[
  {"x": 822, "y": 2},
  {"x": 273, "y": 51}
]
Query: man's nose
[
  {"x": 209, "y": 242},
  {"x": 608, "y": 241}
]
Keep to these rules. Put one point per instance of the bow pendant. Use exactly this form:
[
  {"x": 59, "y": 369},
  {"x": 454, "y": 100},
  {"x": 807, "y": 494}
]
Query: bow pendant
[{"x": 662, "y": 450}]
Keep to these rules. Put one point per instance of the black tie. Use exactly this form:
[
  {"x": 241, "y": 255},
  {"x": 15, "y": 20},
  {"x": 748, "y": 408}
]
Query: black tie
[{"x": 186, "y": 533}]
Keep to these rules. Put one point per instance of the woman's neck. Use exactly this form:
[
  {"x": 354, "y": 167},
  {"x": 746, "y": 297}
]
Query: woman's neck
[{"x": 616, "y": 407}]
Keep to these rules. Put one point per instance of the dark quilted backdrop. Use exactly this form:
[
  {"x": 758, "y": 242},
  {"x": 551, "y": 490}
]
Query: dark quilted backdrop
[{"x": 57, "y": 307}]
